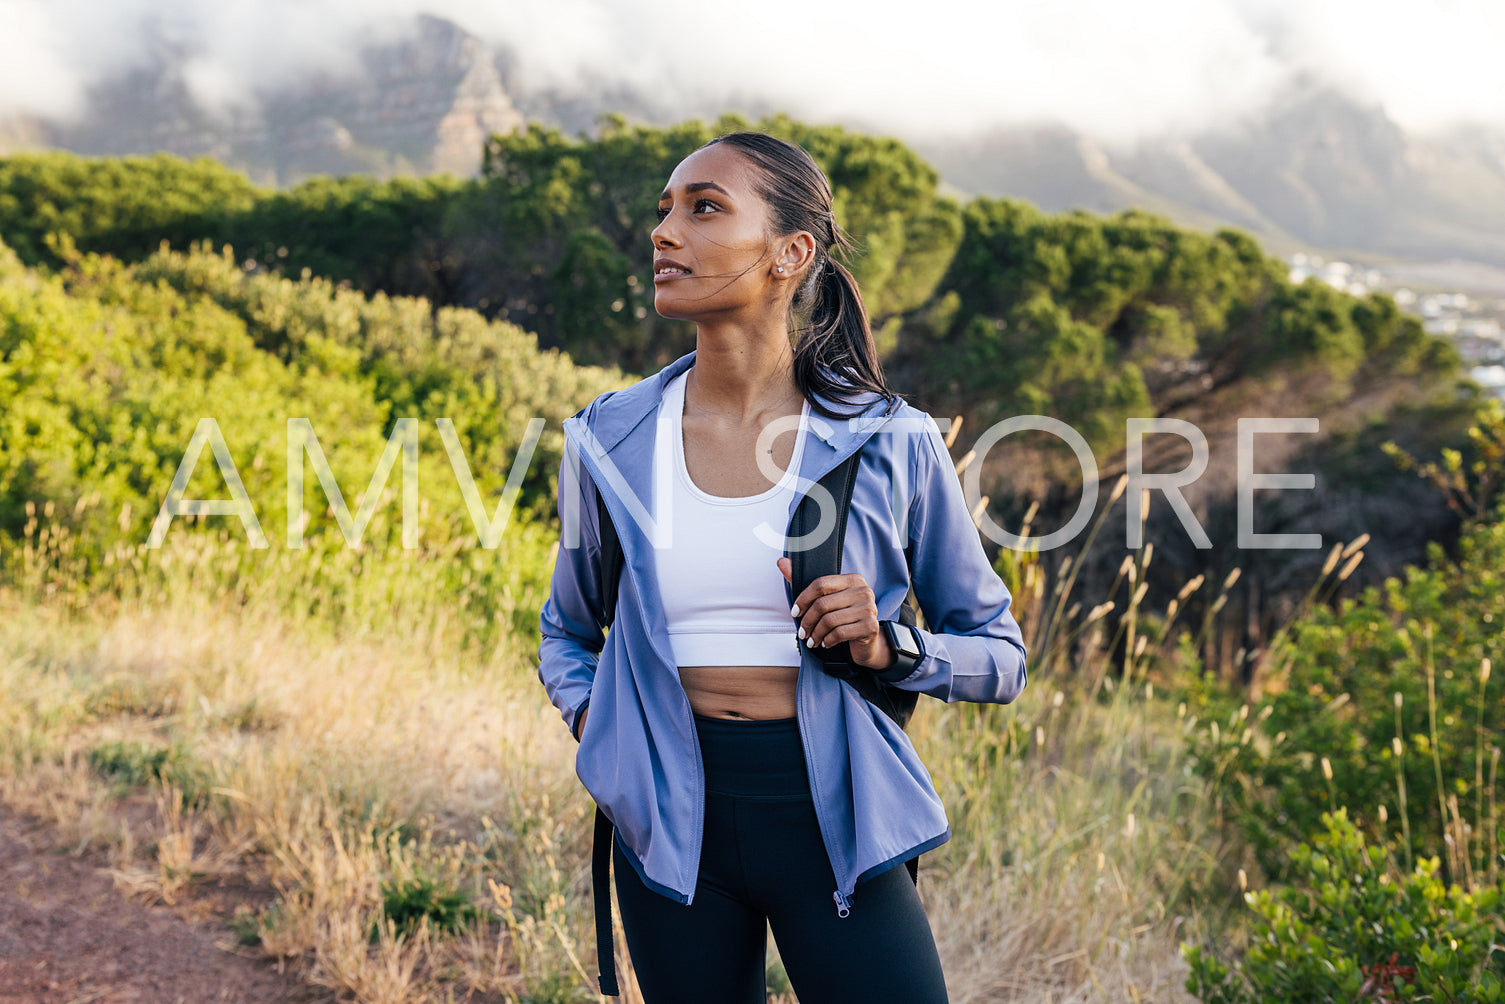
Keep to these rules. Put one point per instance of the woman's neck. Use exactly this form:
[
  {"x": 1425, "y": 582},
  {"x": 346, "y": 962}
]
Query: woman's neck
[{"x": 740, "y": 373}]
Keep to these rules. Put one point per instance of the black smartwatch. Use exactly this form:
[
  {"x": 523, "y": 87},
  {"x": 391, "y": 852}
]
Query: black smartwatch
[{"x": 905, "y": 641}]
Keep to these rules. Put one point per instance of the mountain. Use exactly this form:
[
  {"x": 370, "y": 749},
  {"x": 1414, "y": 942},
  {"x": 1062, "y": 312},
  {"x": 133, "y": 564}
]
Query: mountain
[
  {"x": 1316, "y": 169},
  {"x": 423, "y": 105}
]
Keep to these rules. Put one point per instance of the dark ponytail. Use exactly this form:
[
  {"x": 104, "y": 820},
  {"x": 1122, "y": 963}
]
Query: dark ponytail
[{"x": 834, "y": 353}]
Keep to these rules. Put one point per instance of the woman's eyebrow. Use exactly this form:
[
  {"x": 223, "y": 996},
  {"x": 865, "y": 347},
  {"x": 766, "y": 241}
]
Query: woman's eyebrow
[{"x": 698, "y": 186}]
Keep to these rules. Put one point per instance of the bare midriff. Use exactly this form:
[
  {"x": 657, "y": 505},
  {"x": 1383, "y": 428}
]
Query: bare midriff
[{"x": 750, "y": 693}]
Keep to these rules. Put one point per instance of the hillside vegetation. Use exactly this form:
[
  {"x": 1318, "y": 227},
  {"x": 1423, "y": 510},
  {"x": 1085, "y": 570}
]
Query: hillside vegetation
[
  {"x": 987, "y": 309},
  {"x": 354, "y": 726},
  {"x": 107, "y": 371}
]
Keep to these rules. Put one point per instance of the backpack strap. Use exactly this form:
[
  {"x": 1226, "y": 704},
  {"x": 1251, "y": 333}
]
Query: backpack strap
[
  {"x": 611, "y": 560},
  {"x": 825, "y": 559},
  {"x": 809, "y": 564},
  {"x": 601, "y": 900},
  {"x": 601, "y": 841}
]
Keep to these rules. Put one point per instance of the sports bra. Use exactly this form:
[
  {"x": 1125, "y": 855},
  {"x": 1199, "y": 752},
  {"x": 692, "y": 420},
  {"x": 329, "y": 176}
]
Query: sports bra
[{"x": 722, "y": 592}]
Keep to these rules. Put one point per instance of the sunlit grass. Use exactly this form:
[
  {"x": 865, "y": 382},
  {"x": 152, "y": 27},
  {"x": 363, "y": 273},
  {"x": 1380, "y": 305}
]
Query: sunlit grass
[{"x": 330, "y": 724}]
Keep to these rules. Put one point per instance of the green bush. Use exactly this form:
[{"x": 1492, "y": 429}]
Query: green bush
[
  {"x": 122, "y": 206},
  {"x": 129, "y": 763},
  {"x": 1384, "y": 706},
  {"x": 401, "y": 357},
  {"x": 407, "y": 902},
  {"x": 1094, "y": 319},
  {"x": 132, "y": 765},
  {"x": 107, "y": 369},
  {"x": 1350, "y": 927}
]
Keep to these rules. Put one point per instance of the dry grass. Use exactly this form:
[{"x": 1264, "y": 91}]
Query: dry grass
[
  {"x": 1075, "y": 866},
  {"x": 325, "y": 768},
  {"x": 328, "y": 763}
]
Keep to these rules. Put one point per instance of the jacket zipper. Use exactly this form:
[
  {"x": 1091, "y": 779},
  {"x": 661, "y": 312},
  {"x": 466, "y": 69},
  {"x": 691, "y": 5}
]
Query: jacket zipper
[{"x": 843, "y": 903}]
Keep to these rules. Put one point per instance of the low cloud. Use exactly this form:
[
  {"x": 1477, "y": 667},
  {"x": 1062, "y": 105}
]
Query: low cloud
[{"x": 1110, "y": 69}]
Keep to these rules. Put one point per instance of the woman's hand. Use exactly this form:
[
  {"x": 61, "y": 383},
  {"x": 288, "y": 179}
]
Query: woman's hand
[{"x": 841, "y": 608}]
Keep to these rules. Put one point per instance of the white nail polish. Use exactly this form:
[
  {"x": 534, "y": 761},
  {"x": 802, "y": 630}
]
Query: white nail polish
[
  {"x": 809, "y": 642},
  {"x": 794, "y": 611},
  {"x": 802, "y": 632}
]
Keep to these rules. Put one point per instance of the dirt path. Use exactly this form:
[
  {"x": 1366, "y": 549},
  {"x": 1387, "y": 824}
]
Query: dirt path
[{"x": 68, "y": 937}]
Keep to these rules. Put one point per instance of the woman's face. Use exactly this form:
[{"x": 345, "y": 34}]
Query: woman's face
[{"x": 712, "y": 250}]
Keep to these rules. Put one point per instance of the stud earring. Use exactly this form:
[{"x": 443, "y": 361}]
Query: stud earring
[{"x": 779, "y": 269}]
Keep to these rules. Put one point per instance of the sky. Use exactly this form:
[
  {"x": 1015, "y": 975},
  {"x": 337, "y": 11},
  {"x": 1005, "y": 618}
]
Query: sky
[{"x": 1113, "y": 70}]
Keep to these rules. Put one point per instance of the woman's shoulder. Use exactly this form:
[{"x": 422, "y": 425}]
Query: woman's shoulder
[
  {"x": 907, "y": 412},
  {"x": 911, "y": 421},
  {"x": 916, "y": 438}
]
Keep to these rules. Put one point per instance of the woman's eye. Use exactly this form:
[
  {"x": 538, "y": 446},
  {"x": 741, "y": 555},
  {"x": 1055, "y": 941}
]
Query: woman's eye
[{"x": 702, "y": 206}]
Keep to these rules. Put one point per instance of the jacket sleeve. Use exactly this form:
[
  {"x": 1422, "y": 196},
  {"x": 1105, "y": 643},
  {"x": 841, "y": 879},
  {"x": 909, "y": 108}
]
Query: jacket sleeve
[
  {"x": 974, "y": 650},
  {"x": 573, "y": 618}
]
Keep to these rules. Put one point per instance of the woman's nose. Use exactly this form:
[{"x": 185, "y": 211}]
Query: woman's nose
[{"x": 665, "y": 234}]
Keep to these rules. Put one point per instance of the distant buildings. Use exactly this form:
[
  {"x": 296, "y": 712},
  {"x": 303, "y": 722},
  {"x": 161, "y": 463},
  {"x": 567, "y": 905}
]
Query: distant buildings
[
  {"x": 1338, "y": 274},
  {"x": 1475, "y": 325}
]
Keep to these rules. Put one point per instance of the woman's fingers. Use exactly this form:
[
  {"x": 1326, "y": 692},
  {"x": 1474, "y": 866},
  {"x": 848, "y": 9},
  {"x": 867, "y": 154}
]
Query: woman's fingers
[
  {"x": 822, "y": 588},
  {"x": 847, "y": 624},
  {"x": 841, "y": 608},
  {"x": 837, "y": 608}
]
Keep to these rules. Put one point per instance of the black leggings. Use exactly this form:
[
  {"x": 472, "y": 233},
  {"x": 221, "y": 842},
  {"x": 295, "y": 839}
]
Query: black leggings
[{"x": 763, "y": 863}]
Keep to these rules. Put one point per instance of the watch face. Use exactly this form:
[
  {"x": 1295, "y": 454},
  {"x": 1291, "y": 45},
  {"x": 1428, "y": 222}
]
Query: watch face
[{"x": 908, "y": 644}]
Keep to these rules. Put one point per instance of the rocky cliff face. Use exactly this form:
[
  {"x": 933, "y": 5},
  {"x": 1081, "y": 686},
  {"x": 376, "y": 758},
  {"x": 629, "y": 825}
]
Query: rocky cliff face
[
  {"x": 428, "y": 103},
  {"x": 422, "y": 105}
]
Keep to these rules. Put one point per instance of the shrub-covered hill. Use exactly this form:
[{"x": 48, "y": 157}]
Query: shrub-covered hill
[
  {"x": 107, "y": 369},
  {"x": 984, "y": 310},
  {"x": 122, "y": 206},
  {"x": 988, "y": 309},
  {"x": 553, "y": 236}
]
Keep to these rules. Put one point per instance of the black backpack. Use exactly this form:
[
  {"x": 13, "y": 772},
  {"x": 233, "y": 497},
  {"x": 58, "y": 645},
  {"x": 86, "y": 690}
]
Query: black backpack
[{"x": 808, "y": 565}]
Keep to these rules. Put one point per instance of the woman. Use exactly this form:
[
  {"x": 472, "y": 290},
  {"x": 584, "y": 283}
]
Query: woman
[{"x": 748, "y": 787}]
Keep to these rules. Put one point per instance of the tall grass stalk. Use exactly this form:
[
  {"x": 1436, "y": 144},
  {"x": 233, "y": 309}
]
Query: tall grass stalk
[
  {"x": 1045, "y": 647},
  {"x": 1398, "y": 747},
  {"x": 1480, "y": 825}
]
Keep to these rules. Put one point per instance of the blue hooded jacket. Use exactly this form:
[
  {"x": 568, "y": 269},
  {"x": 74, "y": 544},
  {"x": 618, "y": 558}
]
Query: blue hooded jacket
[{"x": 639, "y": 757}]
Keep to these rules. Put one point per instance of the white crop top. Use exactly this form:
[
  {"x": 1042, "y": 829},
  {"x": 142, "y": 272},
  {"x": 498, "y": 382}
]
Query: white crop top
[{"x": 722, "y": 591}]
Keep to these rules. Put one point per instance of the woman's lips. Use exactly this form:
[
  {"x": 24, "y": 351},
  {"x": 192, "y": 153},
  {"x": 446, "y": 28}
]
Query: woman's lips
[{"x": 664, "y": 270}]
